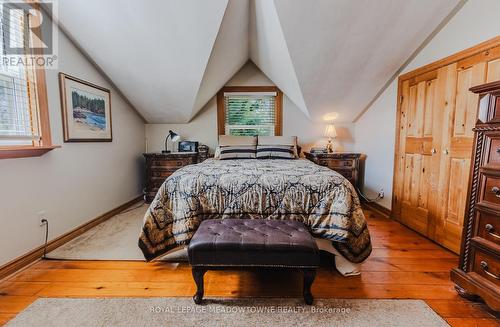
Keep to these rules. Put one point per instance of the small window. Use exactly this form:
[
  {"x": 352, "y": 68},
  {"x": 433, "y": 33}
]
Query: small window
[
  {"x": 250, "y": 111},
  {"x": 23, "y": 96}
]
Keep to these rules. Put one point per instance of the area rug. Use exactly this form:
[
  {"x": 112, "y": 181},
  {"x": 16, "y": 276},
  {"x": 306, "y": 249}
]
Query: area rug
[
  {"x": 225, "y": 312},
  {"x": 114, "y": 239}
]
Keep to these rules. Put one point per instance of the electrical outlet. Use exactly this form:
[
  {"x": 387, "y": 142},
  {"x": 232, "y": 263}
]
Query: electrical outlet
[
  {"x": 381, "y": 193},
  {"x": 42, "y": 215}
]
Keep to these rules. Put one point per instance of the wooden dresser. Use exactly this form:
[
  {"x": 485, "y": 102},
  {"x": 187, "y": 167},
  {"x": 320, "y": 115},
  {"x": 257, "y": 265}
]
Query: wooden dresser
[
  {"x": 346, "y": 164},
  {"x": 161, "y": 165},
  {"x": 478, "y": 274}
]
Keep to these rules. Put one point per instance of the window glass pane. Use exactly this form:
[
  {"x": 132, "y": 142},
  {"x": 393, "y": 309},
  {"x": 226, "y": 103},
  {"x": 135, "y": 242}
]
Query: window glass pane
[
  {"x": 249, "y": 131},
  {"x": 18, "y": 106},
  {"x": 250, "y": 114}
]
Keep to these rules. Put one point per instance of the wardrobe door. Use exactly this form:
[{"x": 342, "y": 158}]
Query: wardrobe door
[
  {"x": 436, "y": 115},
  {"x": 456, "y": 157},
  {"x": 459, "y": 117},
  {"x": 416, "y": 166}
]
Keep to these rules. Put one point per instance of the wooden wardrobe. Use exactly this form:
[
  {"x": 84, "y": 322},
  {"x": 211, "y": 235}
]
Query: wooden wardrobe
[{"x": 434, "y": 141}]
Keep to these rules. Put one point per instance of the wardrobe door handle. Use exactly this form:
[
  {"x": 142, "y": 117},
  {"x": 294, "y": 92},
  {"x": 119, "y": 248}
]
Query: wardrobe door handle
[
  {"x": 485, "y": 267},
  {"x": 496, "y": 190},
  {"x": 489, "y": 228}
]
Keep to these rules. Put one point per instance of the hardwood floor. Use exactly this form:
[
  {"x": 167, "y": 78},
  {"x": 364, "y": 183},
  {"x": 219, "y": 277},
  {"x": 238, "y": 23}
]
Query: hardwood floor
[{"x": 403, "y": 265}]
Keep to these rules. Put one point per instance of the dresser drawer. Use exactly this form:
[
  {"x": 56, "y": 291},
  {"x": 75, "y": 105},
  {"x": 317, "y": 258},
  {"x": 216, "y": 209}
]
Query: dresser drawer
[
  {"x": 490, "y": 190},
  {"x": 487, "y": 266},
  {"x": 494, "y": 149},
  {"x": 488, "y": 226}
]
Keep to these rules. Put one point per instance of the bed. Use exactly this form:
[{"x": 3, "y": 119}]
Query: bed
[{"x": 259, "y": 189}]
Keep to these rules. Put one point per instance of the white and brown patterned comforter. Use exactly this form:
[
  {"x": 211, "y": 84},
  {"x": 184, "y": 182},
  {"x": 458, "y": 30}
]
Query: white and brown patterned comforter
[{"x": 257, "y": 189}]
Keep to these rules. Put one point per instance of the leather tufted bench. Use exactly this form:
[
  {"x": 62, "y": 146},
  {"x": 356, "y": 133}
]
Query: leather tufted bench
[{"x": 220, "y": 243}]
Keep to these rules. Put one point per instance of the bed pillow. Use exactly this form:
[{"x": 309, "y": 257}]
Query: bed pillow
[
  {"x": 275, "y": 152},
  {"x": 237, "y": 147},
  {"x": 277, "y": 147},
  {"x": 226, "y": 140}
]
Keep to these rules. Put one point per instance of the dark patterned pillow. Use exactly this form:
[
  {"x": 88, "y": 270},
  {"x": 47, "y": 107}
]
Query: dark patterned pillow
[
  {"x": 275, "y": 152},
  {"x": 237, "y": 152}
]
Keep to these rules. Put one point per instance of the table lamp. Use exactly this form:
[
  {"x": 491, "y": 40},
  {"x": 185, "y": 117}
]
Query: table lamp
[
  {"x": 330, "y": 133},
  {"x": 174, "y": 137}
]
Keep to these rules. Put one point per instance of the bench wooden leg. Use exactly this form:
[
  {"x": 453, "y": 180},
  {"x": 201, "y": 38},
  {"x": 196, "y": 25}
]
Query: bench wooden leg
[
  {"x": 309, "y": 275},
  {"x": 198, "y": 273}
]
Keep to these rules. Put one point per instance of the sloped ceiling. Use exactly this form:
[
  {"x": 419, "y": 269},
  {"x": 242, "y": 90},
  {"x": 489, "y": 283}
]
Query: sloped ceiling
[
  {"x": 154, "y": 51},
  {"x": 269, "y": 51},
  {"x": 170, "y": 57},
  {"x": 344, "y": 51}
]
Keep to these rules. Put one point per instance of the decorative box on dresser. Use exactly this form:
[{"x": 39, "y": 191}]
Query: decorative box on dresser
[
  {"x": 161, "y": 165},
  {"x": 478, "y": 274},
  {"x": 346, "y": 164}
]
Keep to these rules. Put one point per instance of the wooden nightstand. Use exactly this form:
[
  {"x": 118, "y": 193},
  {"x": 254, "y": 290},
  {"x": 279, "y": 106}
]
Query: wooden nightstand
[
  {"x": 161, "y": 165},
  {"x": 346, "y": 164}
]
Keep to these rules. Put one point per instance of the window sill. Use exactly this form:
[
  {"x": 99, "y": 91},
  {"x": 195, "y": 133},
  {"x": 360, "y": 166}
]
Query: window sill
[{"x": 25, "y": 151}]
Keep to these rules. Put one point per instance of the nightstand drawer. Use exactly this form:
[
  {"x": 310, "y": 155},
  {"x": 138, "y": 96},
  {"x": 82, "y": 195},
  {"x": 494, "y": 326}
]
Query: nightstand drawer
[
  {"x": 159, "y": 166},
  {"x": 344, "y": 163},
  {"x": 156, "y": 182},
  {"x": 337, "y": 163},
  {"x": 347, "y": 173},
  {"x": 170, "y": 163},
  {"x": 162, "y": 173}
]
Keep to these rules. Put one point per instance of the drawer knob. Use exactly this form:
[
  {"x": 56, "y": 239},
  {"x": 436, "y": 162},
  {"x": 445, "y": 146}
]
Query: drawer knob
[
  {"x": 498, "y": 149},
  {"x": 496, "y": 190},
  {"x": 484, "y": 266},
  {"x": 491, "y": 230}
]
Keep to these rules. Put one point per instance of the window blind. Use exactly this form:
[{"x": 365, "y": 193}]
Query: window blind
[
  {"x": 19, "y": 120},
  {"x": 250, "y": 113}
]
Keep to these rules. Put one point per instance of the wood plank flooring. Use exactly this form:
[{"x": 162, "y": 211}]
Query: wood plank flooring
[{"x": 403, "y": 265}]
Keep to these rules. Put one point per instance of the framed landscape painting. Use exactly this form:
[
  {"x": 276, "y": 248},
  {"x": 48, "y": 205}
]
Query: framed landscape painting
[{"x": 86, "y": 110}]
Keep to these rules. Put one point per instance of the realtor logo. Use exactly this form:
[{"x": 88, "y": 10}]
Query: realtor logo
[{"x": 28, "y": 35}]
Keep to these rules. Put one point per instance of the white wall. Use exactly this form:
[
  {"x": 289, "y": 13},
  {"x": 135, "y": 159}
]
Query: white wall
[
  {"x": 476, "y": 22},
  {"x": 75, "y": 183},
  {"x": 203, "y": 127}
]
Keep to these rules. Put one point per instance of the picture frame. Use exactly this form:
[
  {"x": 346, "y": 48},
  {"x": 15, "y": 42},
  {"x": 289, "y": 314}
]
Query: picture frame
[{"x": 86, "y": 110}]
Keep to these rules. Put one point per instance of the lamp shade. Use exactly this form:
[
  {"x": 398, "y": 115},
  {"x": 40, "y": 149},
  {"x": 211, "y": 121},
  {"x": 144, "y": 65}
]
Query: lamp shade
[
  {"x": 173, "y": 136},
  {"x": 330, "y": 131}
]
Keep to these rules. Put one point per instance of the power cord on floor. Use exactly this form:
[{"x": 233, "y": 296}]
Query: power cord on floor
[{"x": 46, "y": 223}]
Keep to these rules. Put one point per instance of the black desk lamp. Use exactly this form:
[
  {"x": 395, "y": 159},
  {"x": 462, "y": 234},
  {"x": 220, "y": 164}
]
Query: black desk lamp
[{"x": 174, "y": 137}]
